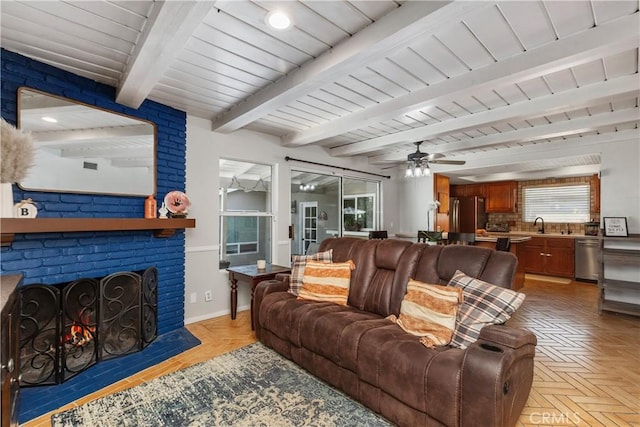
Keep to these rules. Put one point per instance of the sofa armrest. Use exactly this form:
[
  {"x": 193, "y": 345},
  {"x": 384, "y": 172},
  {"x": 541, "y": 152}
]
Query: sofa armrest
[
  {"x": 506, "y": 336},
  {"x": 497, "y": 374},
  {"x": 279, "y": 284}
]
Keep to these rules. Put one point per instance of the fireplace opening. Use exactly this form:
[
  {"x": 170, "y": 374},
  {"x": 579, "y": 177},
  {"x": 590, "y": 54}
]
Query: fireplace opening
[{"x": 67, "y": 328}]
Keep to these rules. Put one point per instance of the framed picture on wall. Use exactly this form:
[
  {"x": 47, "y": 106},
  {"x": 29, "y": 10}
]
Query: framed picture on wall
[{"x": 615, "y": 226}]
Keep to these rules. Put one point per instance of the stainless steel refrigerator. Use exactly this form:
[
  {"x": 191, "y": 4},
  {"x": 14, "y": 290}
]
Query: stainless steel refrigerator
[{"x": 467, "y": 214}]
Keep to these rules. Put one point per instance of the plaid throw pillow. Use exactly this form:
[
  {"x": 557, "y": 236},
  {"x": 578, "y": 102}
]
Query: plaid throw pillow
[
  {"x": 327, "y": 282},
  {"x": 297, "y": 268},
  {"x": 483, "y": 304},
  {"x": 429, "y": 311}
]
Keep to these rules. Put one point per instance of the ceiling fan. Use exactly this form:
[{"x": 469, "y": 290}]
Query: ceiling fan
[{"x": 418, "y": 162}]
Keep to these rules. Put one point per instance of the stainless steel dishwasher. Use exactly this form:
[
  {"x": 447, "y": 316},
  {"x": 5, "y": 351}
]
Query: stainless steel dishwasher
[{"x": 587, "y": 252}]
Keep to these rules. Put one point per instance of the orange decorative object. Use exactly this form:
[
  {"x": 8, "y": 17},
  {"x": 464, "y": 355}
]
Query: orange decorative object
[{"x": 150, "y": 207}]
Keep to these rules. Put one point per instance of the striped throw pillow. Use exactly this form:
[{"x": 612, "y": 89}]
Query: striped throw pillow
[
  {"x": 484, "y": 304},
  {"x": 298, "y": 264},
  {"x": 429, "y": 311},
  {"x": 327, "y": 282}
]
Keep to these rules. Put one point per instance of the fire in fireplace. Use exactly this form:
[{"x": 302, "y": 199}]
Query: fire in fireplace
[{"x": 67, "y": 328}]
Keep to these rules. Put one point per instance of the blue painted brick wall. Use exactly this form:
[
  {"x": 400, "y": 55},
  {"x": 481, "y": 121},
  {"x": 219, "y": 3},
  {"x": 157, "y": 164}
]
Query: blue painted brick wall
[{"x": 61, "y": 257}]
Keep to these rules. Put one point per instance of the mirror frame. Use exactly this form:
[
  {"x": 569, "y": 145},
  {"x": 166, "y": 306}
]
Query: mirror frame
[{"x": 80, "y": 103}]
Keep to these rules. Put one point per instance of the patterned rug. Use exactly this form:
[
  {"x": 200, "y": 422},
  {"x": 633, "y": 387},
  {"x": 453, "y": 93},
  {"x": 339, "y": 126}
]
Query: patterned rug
[{"x": 251, "y": 386}]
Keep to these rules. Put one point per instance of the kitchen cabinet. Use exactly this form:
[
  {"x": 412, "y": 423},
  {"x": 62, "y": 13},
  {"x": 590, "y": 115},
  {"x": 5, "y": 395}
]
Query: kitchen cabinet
[
  {"x": 517, "y": 247},
  {"x": 10, "y": 349},
  {"x": 618, "y": 282},
  {"x": 441, "y": 190},
  {"x": 501, "y": 197},
  {"x": 595, "y": 193},
  {"x": 465, "y": 190},
  {"x": 550, "y": 255}
]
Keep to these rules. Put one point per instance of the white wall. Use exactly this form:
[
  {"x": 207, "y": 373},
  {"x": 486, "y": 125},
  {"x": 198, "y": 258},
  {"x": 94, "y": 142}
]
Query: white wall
[
  {"x": 204, "y": 149},
  {"x": 620, "y": 182}
]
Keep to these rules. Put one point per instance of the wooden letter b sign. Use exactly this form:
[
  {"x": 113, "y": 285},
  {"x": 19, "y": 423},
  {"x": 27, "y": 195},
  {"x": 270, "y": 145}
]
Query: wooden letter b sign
[{"x": 25, "y": 209}]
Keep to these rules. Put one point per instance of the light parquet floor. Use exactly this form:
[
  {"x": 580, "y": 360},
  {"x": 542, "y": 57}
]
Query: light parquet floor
[{"x": 587, "y": 366}]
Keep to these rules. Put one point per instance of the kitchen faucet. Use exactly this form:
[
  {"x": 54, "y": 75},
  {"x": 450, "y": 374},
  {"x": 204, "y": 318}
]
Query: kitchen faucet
[{"x": 535, "y": 222}]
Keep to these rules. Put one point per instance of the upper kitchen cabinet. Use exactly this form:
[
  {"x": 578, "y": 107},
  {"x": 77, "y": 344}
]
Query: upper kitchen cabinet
[
  {"x": 501, "y": 197},
  {"x": 467, "y": 190}
]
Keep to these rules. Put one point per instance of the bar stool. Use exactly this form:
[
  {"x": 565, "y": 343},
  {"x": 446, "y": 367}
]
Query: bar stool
[
  {"x": 503, "y": 244},
  {"x": 461, "y": 238},
  {"x": 379, "y": 234}
]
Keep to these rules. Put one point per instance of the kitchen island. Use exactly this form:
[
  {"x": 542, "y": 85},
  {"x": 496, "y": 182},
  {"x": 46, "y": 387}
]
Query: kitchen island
[
  {"x": 489, "y": 241},
  {"x": 517, "y": 248}
]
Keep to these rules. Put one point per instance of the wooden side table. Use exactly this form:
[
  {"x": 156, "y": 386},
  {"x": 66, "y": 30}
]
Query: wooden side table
[{"x": 251, "y": 274}]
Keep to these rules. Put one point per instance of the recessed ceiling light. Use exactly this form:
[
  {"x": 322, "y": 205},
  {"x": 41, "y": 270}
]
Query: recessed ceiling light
[
  {"x": 278, "y": 20},
  {"x": 49, "y": 119}
]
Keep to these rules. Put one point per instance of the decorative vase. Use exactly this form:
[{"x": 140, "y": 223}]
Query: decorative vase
[{"x": 6, "y": 200}]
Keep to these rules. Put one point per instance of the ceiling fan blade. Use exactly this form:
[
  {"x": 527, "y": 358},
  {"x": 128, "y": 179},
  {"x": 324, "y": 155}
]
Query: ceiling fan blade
[
  {"x": 448, "y": 162},
  {"x": 434, "y": 156}
]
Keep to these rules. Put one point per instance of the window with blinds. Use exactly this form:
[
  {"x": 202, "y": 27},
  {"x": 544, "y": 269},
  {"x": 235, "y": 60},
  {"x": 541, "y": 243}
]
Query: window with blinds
[{"x": 566, "y": 203}]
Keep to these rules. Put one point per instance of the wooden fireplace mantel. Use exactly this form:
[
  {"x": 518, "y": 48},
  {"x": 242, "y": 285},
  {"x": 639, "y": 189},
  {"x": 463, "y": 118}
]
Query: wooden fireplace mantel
[{"x": 9, "y": 227}]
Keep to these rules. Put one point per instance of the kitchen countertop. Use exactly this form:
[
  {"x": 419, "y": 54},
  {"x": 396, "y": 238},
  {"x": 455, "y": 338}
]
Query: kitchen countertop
[
  {"x": 488, "y": 238},
  {"x": 512, "y": 237},
  {"x": 513, "y": 234}
]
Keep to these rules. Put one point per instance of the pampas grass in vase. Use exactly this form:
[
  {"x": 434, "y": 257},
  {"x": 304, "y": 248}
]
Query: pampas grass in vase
[{"x": 16, "y": 157}]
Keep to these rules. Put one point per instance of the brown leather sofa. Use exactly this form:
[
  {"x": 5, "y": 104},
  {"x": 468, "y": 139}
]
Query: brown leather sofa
[{"x": 358, "y": 351}]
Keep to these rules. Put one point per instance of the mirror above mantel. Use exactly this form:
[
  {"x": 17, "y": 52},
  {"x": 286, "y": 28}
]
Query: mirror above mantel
[{"x": 84, "y": 149}]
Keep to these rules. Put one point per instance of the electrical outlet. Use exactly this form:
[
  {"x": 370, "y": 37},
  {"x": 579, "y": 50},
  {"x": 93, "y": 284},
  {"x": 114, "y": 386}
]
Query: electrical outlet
[
  {"x": 193, "y": 297},
  {"x": 207, "y": 296}
]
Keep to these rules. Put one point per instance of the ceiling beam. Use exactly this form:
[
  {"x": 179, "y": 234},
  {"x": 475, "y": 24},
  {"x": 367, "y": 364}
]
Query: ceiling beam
[
  {"x": 164, "y": 36},
  {"x": 411, "y": 20},
  {"x": 575, "y": 146},
  {"x": 605, "y": 40},
  {"x": 551, "y": 130},
  {"x": 572, "y": 99}
]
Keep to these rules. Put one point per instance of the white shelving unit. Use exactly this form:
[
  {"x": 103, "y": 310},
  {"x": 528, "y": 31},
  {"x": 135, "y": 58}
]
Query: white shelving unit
[{"x": 619, "y": 281}]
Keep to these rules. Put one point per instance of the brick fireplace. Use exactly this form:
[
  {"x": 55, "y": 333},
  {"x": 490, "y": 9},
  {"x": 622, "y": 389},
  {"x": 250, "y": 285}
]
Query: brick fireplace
[
  {"x": 53, "y": 258},
  {"x": 67, "y": 328}
]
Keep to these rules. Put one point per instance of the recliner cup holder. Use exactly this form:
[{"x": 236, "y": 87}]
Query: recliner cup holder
[{"x": 491, "y": 348}]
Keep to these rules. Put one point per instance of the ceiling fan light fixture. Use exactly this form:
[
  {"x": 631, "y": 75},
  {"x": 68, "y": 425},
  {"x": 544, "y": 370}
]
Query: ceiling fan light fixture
[{"x": 409, "y": 172}]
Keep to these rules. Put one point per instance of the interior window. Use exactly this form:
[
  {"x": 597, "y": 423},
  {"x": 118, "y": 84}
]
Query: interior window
[{"x": 246, "y": 218}]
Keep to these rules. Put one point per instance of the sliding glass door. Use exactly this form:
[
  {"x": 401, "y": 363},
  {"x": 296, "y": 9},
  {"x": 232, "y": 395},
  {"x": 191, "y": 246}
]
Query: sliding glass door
[
  {"x": 325, "y": 206},
  {"x": 315, "y": 210}
]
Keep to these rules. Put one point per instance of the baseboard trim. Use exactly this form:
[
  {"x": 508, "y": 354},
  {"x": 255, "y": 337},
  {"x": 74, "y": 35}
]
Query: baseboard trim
[{"x": 189, "y": 320}]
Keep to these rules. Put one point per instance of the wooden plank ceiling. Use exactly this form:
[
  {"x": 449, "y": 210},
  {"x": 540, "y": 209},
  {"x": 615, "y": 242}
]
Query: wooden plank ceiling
[{"x": 517, "y": 89}]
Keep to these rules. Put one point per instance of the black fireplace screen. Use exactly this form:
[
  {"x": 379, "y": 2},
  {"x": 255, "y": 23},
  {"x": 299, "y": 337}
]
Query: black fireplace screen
[{"x": 66, "y": 328}]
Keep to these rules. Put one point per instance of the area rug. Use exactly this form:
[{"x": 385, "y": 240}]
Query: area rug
[{"x": 251, "y": 386}]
